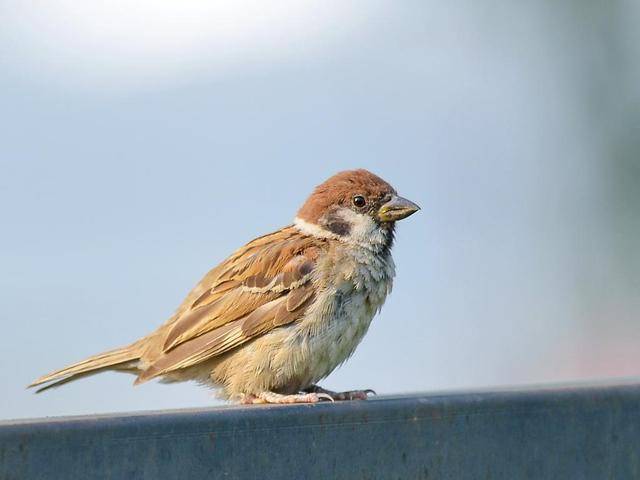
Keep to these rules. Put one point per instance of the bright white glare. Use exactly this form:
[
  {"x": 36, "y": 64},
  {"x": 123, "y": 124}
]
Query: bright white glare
[{"x": 118, "y": 43}]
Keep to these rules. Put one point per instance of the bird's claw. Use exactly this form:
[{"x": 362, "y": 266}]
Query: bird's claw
[
  {"x": 341, "y": 396},
  {"x": 325, "y": 396}
]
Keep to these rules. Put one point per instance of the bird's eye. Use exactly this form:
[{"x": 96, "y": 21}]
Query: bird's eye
[{"x": 359, "y": 201}]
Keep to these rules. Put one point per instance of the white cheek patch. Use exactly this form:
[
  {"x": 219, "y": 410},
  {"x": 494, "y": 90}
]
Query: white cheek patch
[
  {"x": 364, "y": 229},
  {"x": 313, "y": 229}
]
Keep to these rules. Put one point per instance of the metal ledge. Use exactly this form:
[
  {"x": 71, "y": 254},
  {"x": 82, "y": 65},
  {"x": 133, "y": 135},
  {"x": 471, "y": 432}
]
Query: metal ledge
[{"x": 587, "y": 432}]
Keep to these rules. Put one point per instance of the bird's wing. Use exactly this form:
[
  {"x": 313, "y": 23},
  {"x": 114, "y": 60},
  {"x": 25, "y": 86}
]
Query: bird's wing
[{"x": 265, "y": 284}]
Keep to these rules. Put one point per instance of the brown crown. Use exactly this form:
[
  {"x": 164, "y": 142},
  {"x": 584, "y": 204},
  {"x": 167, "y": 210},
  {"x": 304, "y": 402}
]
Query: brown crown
[{"x": 339, "y": 191}]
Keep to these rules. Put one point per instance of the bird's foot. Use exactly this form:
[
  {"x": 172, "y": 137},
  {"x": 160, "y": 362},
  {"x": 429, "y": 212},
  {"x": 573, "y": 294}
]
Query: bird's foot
[
  {"x": 339, "y": 396},
  {"x": 272, "y": 397}
]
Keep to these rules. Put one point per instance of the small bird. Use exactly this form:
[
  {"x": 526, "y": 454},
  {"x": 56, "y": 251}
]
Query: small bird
[{"x": 282, "y": 312}]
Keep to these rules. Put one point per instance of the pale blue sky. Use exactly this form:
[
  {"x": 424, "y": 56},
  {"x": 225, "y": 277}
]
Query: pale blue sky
[{"x": 136, "y": 158}]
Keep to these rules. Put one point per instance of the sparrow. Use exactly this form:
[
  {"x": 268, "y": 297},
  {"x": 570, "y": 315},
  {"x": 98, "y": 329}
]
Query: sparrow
[{"x": 282, "y": 312}]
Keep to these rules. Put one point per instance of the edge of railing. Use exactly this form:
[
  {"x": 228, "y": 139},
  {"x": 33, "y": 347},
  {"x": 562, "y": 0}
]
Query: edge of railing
[{"x": 558, "y": 431}]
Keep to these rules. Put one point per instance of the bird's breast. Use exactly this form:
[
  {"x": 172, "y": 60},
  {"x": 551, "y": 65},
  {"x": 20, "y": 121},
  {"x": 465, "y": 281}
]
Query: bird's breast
[
  {"x": 350, "y": 288},
  {"x": 351, "y": 293}
]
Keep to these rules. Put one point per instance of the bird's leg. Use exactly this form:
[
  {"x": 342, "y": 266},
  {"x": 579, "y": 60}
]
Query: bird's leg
[
  {"x": 272, "y": 397},
  {"x": 350, "y": 395}
]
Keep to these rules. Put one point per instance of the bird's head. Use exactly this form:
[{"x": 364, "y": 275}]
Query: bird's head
[{"x": 354, "y": 206}]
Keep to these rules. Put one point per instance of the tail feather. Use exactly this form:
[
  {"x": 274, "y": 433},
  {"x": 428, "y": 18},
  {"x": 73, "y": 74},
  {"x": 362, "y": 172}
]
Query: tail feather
[
  {"x": 122, "y": 367},
  {"x": 118, "y": 359}
]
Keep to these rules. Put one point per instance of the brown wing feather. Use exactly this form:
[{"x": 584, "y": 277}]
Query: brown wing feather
[
  {"x": 263, "y": 285},
  {"x": 217, "y": 276},
  {"x": 241, "y": 284},
  {"x": 196, "y": 321},
  {"x": 220, "y": 340}
]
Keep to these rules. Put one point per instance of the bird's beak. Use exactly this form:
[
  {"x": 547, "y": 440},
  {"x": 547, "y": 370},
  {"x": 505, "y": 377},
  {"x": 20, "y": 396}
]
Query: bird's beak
[{"x": 396, "y": 209}]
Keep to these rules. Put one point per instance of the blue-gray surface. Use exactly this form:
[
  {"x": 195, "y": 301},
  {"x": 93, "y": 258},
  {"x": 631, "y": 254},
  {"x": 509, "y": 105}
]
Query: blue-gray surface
[{"x": 565, "y": 433}]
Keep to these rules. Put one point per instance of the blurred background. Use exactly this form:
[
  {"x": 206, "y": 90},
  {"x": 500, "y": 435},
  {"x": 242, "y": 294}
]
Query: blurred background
[{"x": 141, "y": 142}]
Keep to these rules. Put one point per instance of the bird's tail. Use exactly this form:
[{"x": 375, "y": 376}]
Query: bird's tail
[{"x": 123, "y": 359}]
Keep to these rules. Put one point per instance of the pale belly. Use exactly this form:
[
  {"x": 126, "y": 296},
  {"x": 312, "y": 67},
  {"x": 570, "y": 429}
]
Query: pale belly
[
  {"x": 328, "y": 342},
  {"x": 294, "y": 357},
  {"x": 289, "y": 359}
]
